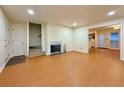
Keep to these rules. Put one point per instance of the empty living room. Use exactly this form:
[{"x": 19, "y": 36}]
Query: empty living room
[{"x": 61, "y": 45}]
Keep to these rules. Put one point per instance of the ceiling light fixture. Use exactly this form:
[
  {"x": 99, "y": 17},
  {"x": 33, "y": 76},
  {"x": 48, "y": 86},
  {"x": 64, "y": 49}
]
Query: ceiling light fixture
[
  {"x": 111, "y": 13},
  {"x": 31, "y": 12},
  {"x": 116, "y": 27},
  {"x": 74, "y": 24}
]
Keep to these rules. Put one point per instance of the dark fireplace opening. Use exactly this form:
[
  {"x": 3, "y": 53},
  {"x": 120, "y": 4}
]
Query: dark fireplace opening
[{"x": 56, "y": 48}]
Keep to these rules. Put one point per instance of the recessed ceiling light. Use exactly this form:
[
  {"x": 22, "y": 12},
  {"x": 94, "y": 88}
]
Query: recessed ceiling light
[
  {"x": 111, "y": 13},
  {"x": 31, "y": 12},
  {"x": 74, "y": 24}
]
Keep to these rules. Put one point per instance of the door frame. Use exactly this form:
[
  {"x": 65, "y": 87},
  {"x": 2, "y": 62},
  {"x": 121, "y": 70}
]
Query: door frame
[{"x": 27, "y": 50}]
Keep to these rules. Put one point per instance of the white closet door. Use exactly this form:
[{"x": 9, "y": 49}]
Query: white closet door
[
  {"x": 18, "y": 40},
  {"x": 7, "y": 46},
  {"x": 1, "y": 44},
  {"x": 2, "y": 57},
  {"x": 4, "y": 38}
]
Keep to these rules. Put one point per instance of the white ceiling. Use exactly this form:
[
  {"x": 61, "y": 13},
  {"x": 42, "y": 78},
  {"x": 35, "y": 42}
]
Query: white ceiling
[{"x": 62, "y": 14}]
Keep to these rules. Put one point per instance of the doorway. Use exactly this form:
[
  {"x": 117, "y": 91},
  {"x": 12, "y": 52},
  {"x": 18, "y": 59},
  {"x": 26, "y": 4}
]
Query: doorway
[
  {"x": 107, "y": 39},
  {"x": 35, "y": 40}
]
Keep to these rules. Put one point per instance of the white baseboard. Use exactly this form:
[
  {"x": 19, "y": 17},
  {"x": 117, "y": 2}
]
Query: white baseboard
[
  {"x": 122, "y": 59},
  {"x": 80, "y": 51},
  {"x": 2, "y": 67}
]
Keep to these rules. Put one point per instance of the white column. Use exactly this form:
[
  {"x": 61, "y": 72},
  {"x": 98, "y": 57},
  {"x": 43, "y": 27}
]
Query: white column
[
  {"x": 27, "y": 39},
  {"x": 122, "y": 42}
]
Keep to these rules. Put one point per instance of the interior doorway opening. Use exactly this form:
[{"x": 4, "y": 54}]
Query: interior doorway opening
[
  {"x": 35, "y": 40},
  {"x": 106, "y": 38}
]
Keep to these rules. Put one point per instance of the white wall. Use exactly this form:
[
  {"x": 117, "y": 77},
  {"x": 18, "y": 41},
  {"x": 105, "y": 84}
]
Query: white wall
[
  {"x": 122, "y": 41},
  {"x": 44, "y": 37},
  {"x": 58, "y": 33},
  {"x": 80, "y": 39},
  {"x": 76, "y": 39},
  {"x": 19, "y": 38},
  {"x": 5, "y": 40}
]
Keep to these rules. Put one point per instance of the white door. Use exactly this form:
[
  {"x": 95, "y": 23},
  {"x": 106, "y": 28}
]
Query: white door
[
  {"x": 18, "y": 40},
  {"x": 1, "y": 47}
]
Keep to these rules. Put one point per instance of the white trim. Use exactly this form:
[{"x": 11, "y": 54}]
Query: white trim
[
  {"x": 27, "y": 38},
  {"x": 122, "y": 59},
  {"x": 41, "y": 37},
  {"x": 86, "y": 52},
  {"x": 2, "y": 67},
  {"x": 122, "y": 42}
]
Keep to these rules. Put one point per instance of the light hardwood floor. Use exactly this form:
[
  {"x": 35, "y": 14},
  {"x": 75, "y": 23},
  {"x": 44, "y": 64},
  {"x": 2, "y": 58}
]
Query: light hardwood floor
[{"x": 71, "y": 69}]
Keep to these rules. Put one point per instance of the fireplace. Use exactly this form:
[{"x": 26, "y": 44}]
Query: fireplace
[{"x": 55, "y": 48}]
